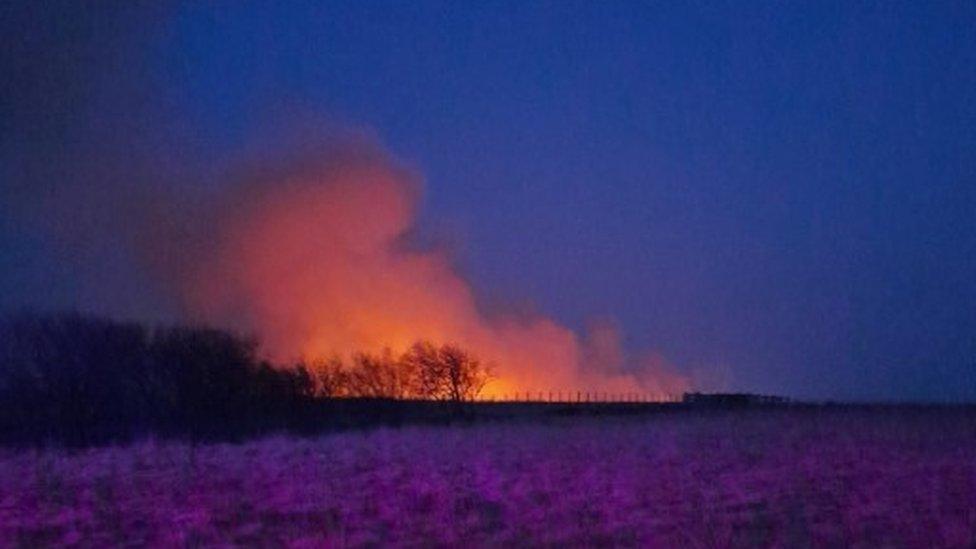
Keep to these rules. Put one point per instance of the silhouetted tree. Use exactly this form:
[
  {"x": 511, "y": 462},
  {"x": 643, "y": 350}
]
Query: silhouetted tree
[
  {"x": 59, "y": 380},
  {"x": 380, "y": 376},
  {"x": 79, "y": 380},
  {"x": 329, "y": 377},
  {"x": 429, "y": 373},
  {"x": 447, "y": 372},
  {"x": 466, "y": 375}
]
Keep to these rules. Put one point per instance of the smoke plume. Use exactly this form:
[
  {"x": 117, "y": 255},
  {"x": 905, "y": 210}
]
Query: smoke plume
[{"x": 321, "y": 260}]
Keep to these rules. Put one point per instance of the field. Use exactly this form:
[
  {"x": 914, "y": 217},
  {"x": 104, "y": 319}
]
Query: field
[{"x": 782, "y": 477}]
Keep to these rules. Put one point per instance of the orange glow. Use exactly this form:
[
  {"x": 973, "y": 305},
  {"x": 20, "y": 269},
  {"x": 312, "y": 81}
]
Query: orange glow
[{"x": 318, "y": 264}]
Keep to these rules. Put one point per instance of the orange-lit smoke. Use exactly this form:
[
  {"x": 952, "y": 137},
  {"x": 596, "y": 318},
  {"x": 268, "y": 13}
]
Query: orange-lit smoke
[{"x": 319, "y": 263}]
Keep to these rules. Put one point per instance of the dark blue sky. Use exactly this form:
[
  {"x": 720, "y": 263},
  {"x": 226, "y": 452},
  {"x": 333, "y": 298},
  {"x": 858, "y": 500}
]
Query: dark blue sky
[{"x": 784, "y": 191}]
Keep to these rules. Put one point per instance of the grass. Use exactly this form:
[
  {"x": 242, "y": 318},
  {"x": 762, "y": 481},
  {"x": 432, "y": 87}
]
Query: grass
[{"x": 787, "y": 478}]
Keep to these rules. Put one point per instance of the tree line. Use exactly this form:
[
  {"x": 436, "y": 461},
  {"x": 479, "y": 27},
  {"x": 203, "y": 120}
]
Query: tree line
[
  {"x": 78, "y": 380},
  {"x": 425, "y": 371}
]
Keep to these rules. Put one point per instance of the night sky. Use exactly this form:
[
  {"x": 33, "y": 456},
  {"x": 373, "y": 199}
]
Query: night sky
[{"x": 777, "y": 197}]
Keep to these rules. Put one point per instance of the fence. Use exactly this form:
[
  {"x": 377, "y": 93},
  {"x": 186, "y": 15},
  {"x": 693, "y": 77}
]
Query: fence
[{"x": 580, "y": 397}]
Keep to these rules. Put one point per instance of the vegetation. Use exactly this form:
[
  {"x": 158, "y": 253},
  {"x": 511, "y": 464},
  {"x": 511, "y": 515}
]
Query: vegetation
[
  {"x": 78, "y": 380},
  {"x": 425, "y": 371},
  {"x": 793, "y": 477}
]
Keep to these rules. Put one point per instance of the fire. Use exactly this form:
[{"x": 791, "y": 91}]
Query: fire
[{"x": 320, "y": 263}]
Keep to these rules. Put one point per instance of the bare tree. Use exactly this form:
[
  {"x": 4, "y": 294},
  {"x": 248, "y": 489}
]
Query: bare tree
[
  {"x": 380, "y": 376},
  {"x": 426, "y": 371},
  {"x": 331, "y": 379},
  {"x": 466, "y": 376},
  {"x": 446, "y": 373},
  {"x": 423, "y": 359}
]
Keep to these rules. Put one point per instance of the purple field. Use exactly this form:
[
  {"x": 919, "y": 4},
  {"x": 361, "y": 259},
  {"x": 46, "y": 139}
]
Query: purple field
[{"x": 896, "y": 478}]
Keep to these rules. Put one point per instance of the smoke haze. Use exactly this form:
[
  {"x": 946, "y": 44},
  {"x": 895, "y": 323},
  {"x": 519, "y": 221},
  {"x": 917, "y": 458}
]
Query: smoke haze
[{"x": 322, "y": 260}]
